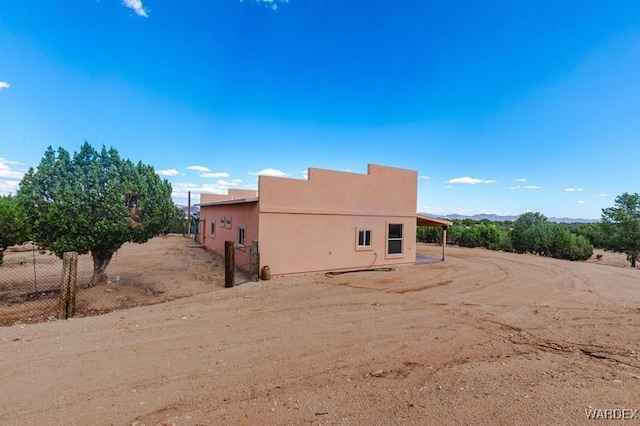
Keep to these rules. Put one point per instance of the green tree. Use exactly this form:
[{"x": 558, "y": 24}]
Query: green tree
[
  {"x": 429, "y": 234},
  {"x": 622, "y": 225},
  {"x": 454, "y": 233},
  {"x": 490, "y": 236},
  {"x": 565, "y": 245},
  {"x": 14, "y": 227},
  {"x": 178, "y": 222},
  {"x": 522, "y": 238},
  {"x": 591, "y": 231},
  {"x": 470, "y": 237},
  {"x": 94, "y": 202},
  {"x": 532, "y": 233}
]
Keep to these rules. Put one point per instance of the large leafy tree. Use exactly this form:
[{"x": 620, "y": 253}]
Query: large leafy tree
[
  {"x": 14, "y": 227},
  {"x": 621, "y": 223},
  {"x": 522, "y": 235},
  {"x": 94, "y": 201}
]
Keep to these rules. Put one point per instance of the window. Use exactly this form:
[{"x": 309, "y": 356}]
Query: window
[
  {"x": 363, "y": 239},
  {"x": 213, "y": 229},
  {"x": 241, "y": 237},
  {"x": 228, "y": 223},
  {"x": 394, "y": 243}
]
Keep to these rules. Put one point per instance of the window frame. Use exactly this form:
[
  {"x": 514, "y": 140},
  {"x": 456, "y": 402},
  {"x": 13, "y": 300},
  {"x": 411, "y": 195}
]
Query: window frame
[
  {"x": 241, "y": 241},
  {"x": 364, "y": 247},
  {"x": 213, "y": 229},
  {"x": 395, "y": 239}
]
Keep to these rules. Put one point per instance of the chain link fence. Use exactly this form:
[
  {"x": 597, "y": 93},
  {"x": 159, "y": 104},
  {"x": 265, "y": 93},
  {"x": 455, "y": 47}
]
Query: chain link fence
[{"x": 164, "y": 268}]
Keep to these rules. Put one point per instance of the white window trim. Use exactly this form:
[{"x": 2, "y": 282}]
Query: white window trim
[
  {"x": 388, "y": 239},
  {"x": 364, "y": 247}
]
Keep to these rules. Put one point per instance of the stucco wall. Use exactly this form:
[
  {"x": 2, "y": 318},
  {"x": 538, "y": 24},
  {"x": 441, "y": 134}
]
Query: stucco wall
[
  {"x": 383, "y": 191},
  {"x": 310, "y": 225},
  {"x": 241, "y": 215},
  {"x": 296, "y": 243}
]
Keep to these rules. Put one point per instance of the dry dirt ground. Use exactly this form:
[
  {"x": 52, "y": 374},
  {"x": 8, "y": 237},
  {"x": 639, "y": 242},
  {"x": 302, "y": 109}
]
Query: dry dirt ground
[
  {"x": 162, "y": 269},
  {"x": 484, "y": 338}
]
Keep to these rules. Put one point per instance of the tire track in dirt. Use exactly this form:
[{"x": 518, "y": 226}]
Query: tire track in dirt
[
  {"x": 476, "y": 340},
  {"x": 420, "y": 288}
]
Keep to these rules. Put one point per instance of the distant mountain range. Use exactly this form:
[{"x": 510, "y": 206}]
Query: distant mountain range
[
  {"x": 498, "y": 218},
  {"x": 491, "y": 217},
  {"x": 194, "y": 209}
]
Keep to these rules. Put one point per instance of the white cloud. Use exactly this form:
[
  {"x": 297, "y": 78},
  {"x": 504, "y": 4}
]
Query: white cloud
[
  {"x": 201, "y": 169},
  {"x": 137, "y": 7},
  {"x": 7, "y": 172},
  {"x": 181, "y": 189},
  {"x": 574, "y": 189},
  {"x": 603, "y": 195},
  {"x": 9, "y": 186},
  {"x": 581, "y": 202},
  {"x": 215, "y": 175},
  {"x": 10, "y": 174},
  {"x": 424, "y": 177},
  {"x": 470, "y": 180},
  {"x": 525, "y": 187},
  {"x": 4, "y": 162},
  {"x": 9, "y": 178},
  {"x": 520, "y": 180},
  {"x": 167, "y": 172},
  {"x": 4, "y": 85},
  {"x": 305, "y": 174},
  {"x": 227, "y": 183},
  {"x": 270, "y": 172}
]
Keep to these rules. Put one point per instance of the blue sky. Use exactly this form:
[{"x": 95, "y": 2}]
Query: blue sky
[{"x": 501, "y": 106}]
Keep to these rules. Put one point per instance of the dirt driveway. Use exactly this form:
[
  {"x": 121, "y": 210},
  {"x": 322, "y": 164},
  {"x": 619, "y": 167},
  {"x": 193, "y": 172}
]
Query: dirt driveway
[{"x": 484, "y": 338}]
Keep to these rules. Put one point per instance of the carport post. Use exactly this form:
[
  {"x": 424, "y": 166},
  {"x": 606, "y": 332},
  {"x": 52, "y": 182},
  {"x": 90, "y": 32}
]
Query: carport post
[{"x": 444, "y": 240}]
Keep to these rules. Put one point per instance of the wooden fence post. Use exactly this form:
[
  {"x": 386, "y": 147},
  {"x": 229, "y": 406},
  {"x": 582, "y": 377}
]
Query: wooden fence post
[
  {"x": 255, "y": 262},
  {"x": 67, "y": 305},
  {"x": 229, "y": 264}
]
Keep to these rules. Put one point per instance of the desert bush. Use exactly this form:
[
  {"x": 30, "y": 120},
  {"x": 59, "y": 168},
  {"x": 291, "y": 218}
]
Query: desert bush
[
  {"x": 14, "y": 227},
  {"x": 591, "y": 231},
  {"x": 454, "y": 232},
  {"x": 533, "y": 234},
  {"x": 429, "y": 234},
  {"x": 480, "y": 234}
]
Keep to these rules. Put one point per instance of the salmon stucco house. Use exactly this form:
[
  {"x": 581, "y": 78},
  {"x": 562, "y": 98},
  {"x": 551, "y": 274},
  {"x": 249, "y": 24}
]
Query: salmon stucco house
[{"x": 329, "y": 222}]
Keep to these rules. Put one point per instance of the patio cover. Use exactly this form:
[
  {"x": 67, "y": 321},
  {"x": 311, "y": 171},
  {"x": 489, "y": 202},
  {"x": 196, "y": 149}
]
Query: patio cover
[{"x": 422, "y": 220}]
